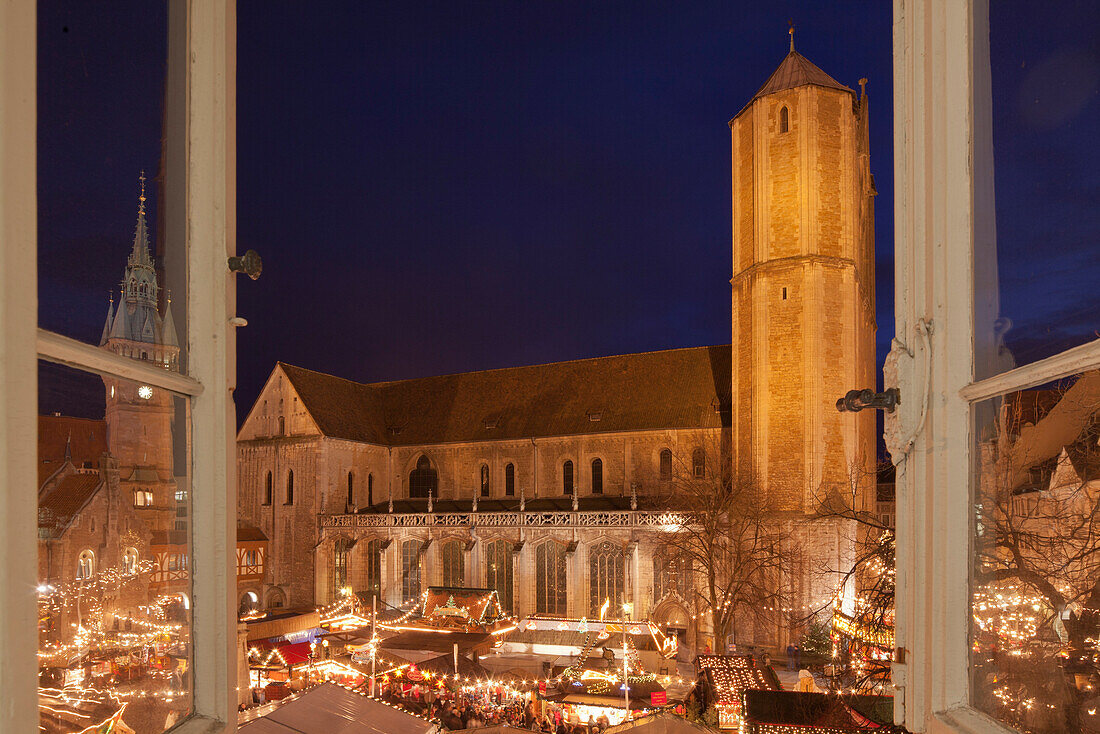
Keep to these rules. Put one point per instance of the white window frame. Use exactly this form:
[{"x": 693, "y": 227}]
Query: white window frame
[
  {"x": 200, "y": 211},
  {"x": 943, "y": 167}
]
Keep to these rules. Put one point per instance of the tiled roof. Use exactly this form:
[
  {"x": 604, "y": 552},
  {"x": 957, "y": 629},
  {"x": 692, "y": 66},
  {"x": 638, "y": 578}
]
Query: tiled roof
[
  {"x": 61, "y": 501},
  {"x": 249, "y": 532},
  {"x": 89, "y": 442},
  {"x": 677, "y": 388},
  {"x": 795, "y": 71}
]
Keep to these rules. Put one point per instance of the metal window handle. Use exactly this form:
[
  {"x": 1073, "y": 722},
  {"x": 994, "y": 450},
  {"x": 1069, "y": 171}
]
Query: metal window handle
[
  {"x": 250, "y": 264},
  {"x": 856, "y": 400}
]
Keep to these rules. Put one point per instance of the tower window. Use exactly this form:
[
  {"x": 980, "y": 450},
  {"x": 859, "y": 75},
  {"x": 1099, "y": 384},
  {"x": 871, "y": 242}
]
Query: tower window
[
  {"x": 666, "y": 465},
  {"x": 784, "y": 119},
  {"x": 290, "y": 487},
  {"x": 267, "y": 490},
  {"x": 784, "y": 293}
]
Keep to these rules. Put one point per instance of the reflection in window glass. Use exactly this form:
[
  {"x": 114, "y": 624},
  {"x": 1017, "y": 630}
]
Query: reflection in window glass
[
  {"x": 1036, "y": 572},
  {"x": 1035, "y": 285},
  {"x": 114, "y": 583}
]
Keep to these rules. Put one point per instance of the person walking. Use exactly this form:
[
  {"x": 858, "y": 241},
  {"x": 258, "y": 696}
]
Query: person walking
[{"x": 790, "y": 656}]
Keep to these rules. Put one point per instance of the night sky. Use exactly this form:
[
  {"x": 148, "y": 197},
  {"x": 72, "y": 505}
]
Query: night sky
[{"x": 441, "y": 187}]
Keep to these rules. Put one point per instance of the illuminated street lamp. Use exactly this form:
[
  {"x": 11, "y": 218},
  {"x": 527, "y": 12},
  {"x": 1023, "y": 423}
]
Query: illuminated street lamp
[{"x": 627, "y": 609}]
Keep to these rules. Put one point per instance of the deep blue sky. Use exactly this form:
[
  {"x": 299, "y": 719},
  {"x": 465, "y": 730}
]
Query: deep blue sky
[{"x": 440, "y": 187}]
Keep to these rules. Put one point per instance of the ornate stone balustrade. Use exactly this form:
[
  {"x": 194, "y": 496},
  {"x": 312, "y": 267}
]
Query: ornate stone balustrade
[{"x": 610, "y": 518}]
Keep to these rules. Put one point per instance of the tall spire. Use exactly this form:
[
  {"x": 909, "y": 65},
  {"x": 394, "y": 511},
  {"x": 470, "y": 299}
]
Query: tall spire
[
  {"x": 791, "y": 31},
  {"x": 110, "y": 319}
]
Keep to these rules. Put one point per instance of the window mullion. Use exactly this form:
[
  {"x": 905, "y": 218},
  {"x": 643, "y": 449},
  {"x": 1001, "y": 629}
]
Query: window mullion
[
  {"x": 18, "y": 369},
  {"x": 54, "y": 347},
  {"x": 1065, "y": 364}
]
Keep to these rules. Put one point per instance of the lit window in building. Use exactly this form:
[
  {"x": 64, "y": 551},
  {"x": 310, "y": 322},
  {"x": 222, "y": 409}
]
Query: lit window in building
[
  {"x": 698, "y": 464},
  {"x": 340, "y": 565},
  {"x": 498, "y": 571},
  {"x": 666, "y": 465},
  {"x": 550, "y": 578},
  {"x": 605, "y": 574},
  {"x": 85, "y": 565},
  {"x": 410, "y": 570},
  {"x": 373, "y": 564},
  {"x": 130, "y": 560},
  {"x": 454, "y": 563}
]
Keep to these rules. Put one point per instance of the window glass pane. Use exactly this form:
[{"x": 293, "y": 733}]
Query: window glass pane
[
  {"x": 101, "y": 236},
  {"x": 1036, "y": 572},
  {"x": 1035, "y": 285},
  {"x": 114, "y": 551}
]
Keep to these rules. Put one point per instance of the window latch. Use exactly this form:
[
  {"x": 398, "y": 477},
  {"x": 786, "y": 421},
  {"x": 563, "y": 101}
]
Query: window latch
[
  {"x": 250, "y": 264},
  {"x": 856, "y": 400}
]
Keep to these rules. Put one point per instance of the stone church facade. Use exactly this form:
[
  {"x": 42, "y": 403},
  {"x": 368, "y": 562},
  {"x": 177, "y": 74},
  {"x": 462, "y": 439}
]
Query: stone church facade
[{"x": 551, "y": 483}]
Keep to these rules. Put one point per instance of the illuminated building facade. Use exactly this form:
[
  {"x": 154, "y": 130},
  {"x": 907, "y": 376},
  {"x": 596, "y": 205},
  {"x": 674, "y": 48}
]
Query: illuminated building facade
[{"x": 549, "y": 482}]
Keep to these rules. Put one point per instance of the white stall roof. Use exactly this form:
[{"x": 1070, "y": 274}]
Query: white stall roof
[{"x": 331, "y": 709}]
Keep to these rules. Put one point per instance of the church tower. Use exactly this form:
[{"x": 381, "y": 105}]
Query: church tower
[
  {"x": 139, "y": 417},
  {"x": 803, "y": 285}
]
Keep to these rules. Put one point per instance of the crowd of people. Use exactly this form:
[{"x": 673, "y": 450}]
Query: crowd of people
[{"x": 553, "y": 720}]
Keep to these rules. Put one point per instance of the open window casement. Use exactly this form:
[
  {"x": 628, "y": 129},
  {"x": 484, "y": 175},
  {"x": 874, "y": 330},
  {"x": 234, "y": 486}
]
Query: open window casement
[
  {"x": 199, "y": 207},
  {"x": 994, "y": 495}
]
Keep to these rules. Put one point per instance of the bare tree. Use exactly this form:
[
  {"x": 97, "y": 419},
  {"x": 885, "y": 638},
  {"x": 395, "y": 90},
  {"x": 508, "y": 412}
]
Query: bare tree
[{"x": 724, "y": 529}]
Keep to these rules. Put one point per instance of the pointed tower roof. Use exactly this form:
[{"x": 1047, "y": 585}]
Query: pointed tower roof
[
  {"x": 795, "y": 71},
  {"x": 107, "y": 324},
  {"x": 168, "y": 329},
  {"x": 139, "y": 255}
]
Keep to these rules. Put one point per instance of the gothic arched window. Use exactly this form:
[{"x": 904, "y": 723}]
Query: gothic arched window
[
  {"x": 423, "y": 480},
  {"x": 290, "y": 487},
  {"x": 373, "y": 563},
  {"x": 666, "y": 465},
  {"x": 498, "y": 571},
  {"x": 267, "y": 489},
  {"x": 597, "y": 476},
  {"x": 340, "y": 566},
  {"x": 410, "y": 570},
  {"x": 698, "y": 464},
  {"x": 550, "y": 581},
  {"x": 351, "y": 488},
  {"x": 370, "y": 490},
  {"x": 784, "y": 119},
  {"x": 510, "y": 480},
  {"x": 85, "y": 565},
  {"x": 567, "y": 478},
  {"x": 671, "y": 574},
  {"x": 454, "y": 563},
  {"x": 484, "y": 480},
  {"x": 282, "y": 426},
  {"x": 605, "y": 577}
]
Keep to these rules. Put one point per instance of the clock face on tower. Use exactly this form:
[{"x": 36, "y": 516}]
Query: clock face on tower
[{"x": 145, "y": 392}]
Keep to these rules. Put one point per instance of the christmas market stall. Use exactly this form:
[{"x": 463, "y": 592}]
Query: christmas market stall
[
  {"x": 723, "y": 681},
  {"x": 326, "y": 708},
  {"x": 796, "y": 712}
]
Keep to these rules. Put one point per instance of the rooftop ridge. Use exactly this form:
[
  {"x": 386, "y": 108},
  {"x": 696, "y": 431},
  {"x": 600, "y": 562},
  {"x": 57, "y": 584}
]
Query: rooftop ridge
[{"x": 387, "y": 383}]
